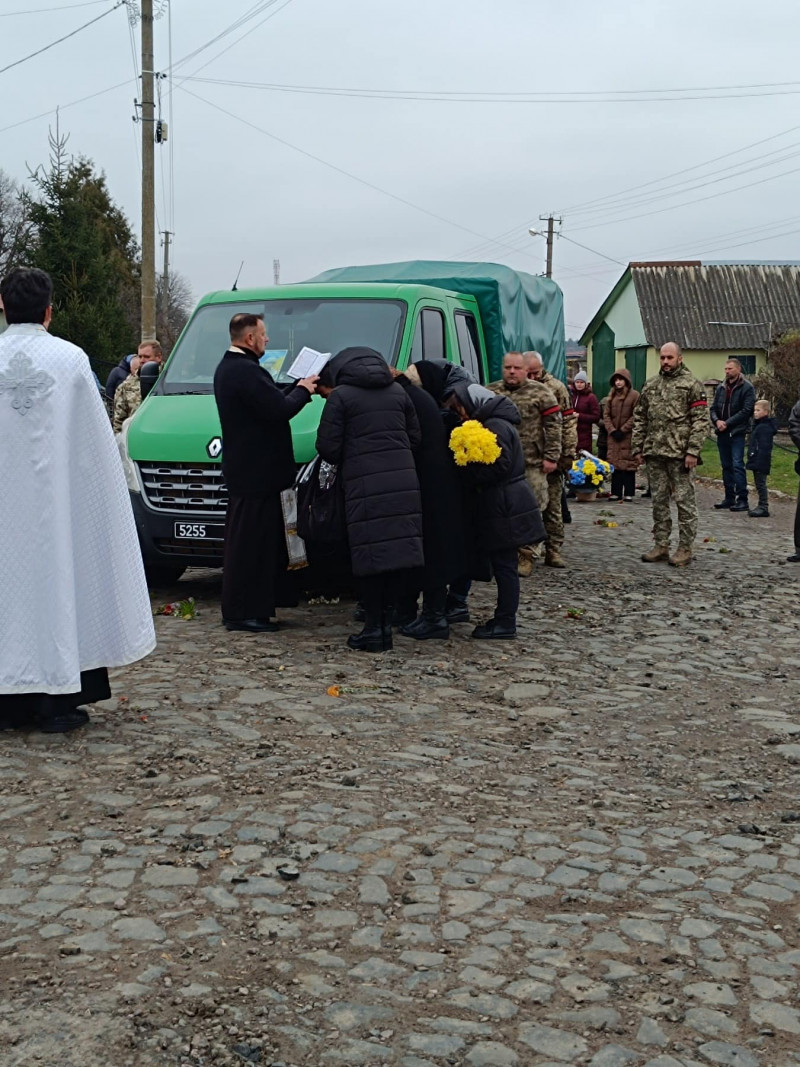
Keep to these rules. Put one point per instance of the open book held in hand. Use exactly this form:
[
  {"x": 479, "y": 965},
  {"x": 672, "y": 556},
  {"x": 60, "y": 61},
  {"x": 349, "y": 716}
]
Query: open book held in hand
[{"x": 308, "y": 363}]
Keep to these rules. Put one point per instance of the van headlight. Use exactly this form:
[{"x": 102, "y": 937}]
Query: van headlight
[{"x": 128, "y": 466}]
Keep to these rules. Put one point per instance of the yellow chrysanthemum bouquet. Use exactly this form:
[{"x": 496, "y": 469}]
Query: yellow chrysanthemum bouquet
[
  {"x": 471, "y": 442},
  {"x": 589, "y": 472}
]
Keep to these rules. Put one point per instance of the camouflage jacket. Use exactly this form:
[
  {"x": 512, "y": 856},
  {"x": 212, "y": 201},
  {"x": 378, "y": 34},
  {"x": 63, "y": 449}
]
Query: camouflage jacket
[
  {"x": 540, "y": 428},
  {"x": 127, "y": 399},
  {"x": 671, "y": 418},
  {"x": 569, "y": 420}
]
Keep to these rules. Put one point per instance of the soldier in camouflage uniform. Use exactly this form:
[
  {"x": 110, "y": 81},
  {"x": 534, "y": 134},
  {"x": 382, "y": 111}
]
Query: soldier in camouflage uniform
[
  {"x": 128, "y": 396},
  {"x": 670, "y": 425},
  {"x": 552, "y": 515},
  {"x": 539, "y": 432}
]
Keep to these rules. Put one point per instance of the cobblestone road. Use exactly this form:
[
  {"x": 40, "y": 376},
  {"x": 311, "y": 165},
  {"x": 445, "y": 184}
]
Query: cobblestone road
[{"x": 583, "y": 848}]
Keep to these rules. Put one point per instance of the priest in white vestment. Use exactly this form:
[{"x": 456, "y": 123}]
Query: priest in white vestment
[{"x": 73, "y": 597}]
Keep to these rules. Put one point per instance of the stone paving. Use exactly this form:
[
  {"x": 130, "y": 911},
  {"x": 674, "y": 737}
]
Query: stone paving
[{"x": 582, "y": 848}]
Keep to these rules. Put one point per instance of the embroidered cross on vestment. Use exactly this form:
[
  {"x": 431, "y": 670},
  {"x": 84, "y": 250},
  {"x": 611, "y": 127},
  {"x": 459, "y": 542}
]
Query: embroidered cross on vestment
[{"x": 25, "y": 384}]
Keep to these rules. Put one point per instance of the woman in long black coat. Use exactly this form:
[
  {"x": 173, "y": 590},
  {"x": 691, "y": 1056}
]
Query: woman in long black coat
[
  {"x": 506, "y": 513},
  {"x": 369, "y": 429},
  {"x": 442, "y": 518}
]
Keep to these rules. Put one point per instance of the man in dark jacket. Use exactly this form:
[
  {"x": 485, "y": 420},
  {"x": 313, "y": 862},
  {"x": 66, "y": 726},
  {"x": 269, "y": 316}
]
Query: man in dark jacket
[
  {"x": 794, "y": 433},
  {"x": 118, "y": 376},
  {"x": 731, "y": 412},
  {"x": 370, "y": 430},
  {"x": 257, "y": 464},
  {"x": 506, "y": 510}
]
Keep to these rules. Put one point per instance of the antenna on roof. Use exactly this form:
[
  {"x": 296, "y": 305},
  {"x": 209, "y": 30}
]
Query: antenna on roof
[{"x": 236, "y": 282}]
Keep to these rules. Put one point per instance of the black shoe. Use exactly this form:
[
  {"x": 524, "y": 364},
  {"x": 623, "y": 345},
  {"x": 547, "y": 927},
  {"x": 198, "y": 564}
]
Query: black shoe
[
  {"x": 793, "y": 559},
  {"x": 647, "y": 492},
  {"x": 62, "y": 724},
  {"x": 371, "y": 639},
  {"x": 359, "y": 615},
  {"x": 724, "y": 505},
  {"x": 427, "y": 628},
  {"x": 456, "y": 610},
  {"x": 252, "y": 626},
  {"x": 740, "y": 505},
  {"x": 492, "y": 630},
  {"x": 759, "y": 513}
]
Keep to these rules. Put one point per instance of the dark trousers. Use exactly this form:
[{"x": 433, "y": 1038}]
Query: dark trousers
[
  {"x": 797, "y": 524},
  {"x": 623, "y": 483},
  {"x": 506, "y": 575},
  {"x": 760, "y": 478},
  {"x": 731, "y": 456},
  {"x": 32, "y": 709},
  {"x": 379, "y": 594},
  {"x": 254, "y": 560}
]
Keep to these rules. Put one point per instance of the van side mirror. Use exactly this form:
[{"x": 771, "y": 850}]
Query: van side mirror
[{"x": 148, "y": 376}]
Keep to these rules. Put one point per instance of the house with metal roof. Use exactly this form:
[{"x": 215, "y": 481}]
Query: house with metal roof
[{"x": 712, "y": 310}]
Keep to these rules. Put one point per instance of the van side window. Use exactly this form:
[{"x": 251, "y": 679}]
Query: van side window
[
  {"x": 468, "y": 344},
  {"x": 428, "y": 340}
]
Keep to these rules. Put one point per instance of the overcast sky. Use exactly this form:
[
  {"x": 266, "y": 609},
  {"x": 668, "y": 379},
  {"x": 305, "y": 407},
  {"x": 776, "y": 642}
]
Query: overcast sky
[{"x": 487, "y": 169}]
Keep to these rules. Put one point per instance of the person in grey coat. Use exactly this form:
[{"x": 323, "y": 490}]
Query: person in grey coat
[{"x": 369, "y": 429}]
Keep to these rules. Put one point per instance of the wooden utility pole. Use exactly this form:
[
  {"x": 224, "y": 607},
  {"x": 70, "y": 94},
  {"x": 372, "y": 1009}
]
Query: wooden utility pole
[
  {"x": 148, "y": 177},
  {"x": 550, "y": 220}
]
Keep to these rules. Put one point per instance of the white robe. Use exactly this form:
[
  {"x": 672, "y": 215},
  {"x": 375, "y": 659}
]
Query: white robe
[{"x": 73, "y": 595}]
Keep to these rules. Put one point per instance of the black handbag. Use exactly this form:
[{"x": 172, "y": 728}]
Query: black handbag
[{"x": 320, "y": 503}]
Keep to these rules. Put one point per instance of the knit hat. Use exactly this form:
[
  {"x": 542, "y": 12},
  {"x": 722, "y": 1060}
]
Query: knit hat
[{"x": 581, "y": 376}]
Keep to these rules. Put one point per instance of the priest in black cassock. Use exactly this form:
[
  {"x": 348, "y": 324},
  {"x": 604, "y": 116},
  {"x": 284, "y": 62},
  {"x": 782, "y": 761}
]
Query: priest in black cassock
[{"x": 257, "y": 464}]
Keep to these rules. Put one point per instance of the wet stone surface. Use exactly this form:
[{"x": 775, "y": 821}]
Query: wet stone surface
[{"x": 580, "y": 848}]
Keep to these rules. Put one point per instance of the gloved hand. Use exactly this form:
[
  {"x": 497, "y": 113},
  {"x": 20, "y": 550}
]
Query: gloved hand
[{"x": 618, "y": 435}]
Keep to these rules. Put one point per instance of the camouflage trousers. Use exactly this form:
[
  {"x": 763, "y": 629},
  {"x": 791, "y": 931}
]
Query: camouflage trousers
[
  {"x": 551, "y": 514},
  {"x": 669, "y": 479},
  {"x": 537, "y": 480}
]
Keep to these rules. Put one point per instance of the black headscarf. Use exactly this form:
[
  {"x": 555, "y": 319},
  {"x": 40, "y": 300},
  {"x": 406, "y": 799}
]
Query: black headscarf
[{"x": 439, "y": 377}]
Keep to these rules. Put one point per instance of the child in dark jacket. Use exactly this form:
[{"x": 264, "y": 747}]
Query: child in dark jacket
[{"x": 759, "y": 455}]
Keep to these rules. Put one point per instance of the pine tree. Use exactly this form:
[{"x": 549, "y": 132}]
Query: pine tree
[{"x": 85, "y": 243}]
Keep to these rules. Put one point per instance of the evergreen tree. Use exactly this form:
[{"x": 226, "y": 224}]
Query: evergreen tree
[{"x": 85, "y": 243}]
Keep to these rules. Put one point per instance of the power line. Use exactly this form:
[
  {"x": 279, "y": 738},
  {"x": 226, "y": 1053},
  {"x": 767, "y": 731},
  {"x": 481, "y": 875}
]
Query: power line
[
  {"x": 248, "y": 15},
  {"x": 44, "y": 10},
  {"x": 623, "y": 96},
  {"x": 66, "y": 37},
  {"x": 593, "y": 250},
  {"x": 334, "y": 167},
  {"x": 63, "y": 107},
  {"x": 674, "y": 174}
]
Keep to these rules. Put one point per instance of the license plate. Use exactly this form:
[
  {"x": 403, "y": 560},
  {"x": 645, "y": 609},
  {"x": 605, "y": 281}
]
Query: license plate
[{"x": 199, "y": 531}]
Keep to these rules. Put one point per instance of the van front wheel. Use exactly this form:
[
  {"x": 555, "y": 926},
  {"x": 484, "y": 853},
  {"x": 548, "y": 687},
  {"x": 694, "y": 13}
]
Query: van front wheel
[{"x": 159, "y": 575}]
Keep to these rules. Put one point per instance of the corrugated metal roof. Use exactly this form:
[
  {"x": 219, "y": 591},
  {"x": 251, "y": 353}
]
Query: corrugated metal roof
[{"x": 679, "y": 302}]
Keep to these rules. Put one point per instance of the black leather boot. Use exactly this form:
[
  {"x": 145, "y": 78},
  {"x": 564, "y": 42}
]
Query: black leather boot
[
  {"x": 456, "y": 609},
  {"x": 371, "y": 639},
  {"x": 428, "y": 626}
]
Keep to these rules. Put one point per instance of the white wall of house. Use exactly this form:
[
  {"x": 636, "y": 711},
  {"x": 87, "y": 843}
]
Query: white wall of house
[{"x": 625, "y": 319}]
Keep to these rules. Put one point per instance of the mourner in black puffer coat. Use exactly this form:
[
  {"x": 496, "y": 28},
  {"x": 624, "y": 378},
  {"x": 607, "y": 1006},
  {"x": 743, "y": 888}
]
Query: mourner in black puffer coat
[
  {"x": 506, "y": 514},
  {"x": 369, "y": 430}
]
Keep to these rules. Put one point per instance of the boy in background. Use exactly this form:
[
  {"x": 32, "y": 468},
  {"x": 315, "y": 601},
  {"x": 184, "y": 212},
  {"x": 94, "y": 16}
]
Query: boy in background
[{"x": 759, "y": 455}]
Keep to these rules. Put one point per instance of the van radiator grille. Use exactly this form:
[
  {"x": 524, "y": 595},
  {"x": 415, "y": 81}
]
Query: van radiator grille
[{"x": 190, "y": 488}]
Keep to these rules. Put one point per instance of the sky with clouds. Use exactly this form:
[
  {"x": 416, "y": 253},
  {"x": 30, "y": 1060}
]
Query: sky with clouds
[{"x": 443, "y": 130}]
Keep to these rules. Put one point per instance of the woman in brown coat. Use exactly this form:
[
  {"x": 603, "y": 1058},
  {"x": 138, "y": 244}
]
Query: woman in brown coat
[{"x": 618, "y": 421}]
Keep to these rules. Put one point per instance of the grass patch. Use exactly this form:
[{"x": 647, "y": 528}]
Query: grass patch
[{"x": 782, "y": 475}]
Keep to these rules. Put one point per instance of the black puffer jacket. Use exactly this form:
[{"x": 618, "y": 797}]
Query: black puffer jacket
[
  {"x": 117, "y": 376},
  {"x": 759, "y": 447},
  {"x": 506, "y": 513},
  {"x": 369, "y": 428}
]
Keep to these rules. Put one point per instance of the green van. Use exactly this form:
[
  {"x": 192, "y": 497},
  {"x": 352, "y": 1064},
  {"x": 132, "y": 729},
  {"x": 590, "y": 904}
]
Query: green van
[{"x": 171, "y": 448}]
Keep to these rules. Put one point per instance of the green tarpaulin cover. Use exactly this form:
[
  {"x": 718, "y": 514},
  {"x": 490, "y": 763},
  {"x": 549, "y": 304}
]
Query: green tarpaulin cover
[{"x": 519, "y": 311}]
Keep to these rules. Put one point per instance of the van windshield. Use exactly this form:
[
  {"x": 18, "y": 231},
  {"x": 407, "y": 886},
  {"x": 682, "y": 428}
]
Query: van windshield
[{"x": 327, "y": 325}]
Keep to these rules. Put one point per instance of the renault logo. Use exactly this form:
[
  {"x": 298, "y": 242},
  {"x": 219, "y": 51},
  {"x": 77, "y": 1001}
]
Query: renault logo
[{"x": 214, "y": 447}]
